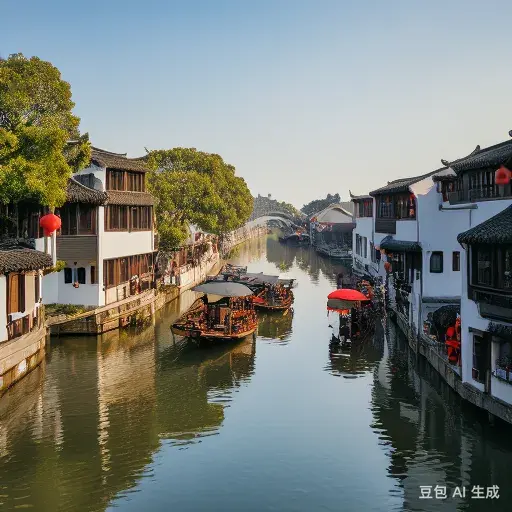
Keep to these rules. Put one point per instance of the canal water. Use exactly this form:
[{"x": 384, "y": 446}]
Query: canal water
[{"x": 136, "y": 421}]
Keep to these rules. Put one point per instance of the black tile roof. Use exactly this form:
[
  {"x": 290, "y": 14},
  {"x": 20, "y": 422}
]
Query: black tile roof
[
  {"x": 493, "y": 156},
  {"x": 78, "y": 193},
  {"x": 496, "y": 230},
  {"x": 402, "y": 184},
  {"x": 390, "y": 244},
  {"x": 117, "y": 161},
  {"x": 358, "y": 198},
  {"x": 130, "y": 198},
  {"x": 17, "y": 257}
]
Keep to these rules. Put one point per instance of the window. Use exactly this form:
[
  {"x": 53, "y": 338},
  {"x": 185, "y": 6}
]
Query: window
[
  {"x": 365, "y": 247},
  {"x": 385, "y": 207},
  {"x": 115, "y": 180},
  {"x": 136, "y": 182},
  {"x": 358, "y": 245},
  {"x": 484, "y": 267},
  {"x": 80, "y": 275},
  {"x": 365, "y": 208},
  {"x": 116, "y": 218},
  {"x": 372, "y": 252},
  {"x": 446, "y": 188},
  {"x": 456, "y": 261},
  {"x": 121, "y": 270},
  {"x": 479, "y": 359},
  {"x": 78, "y": 219},
  {"x": 93, "y": 275},
  {"x": 396, "y": 206},
  {"x": 37, "y": 284},
  {"x": 436, "y": 262},
  {"x": 68, "y": 275},
  {"x": 15, "y": 293}
]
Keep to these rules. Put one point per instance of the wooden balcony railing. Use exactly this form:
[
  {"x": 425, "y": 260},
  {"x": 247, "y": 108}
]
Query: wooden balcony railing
[
  {"x": 385, "y": 226},
  {"x": 25, "y": 324}
]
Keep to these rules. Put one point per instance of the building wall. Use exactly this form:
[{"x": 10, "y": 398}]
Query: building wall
[
  {"x": 469, "y": 309},
  {"x": 117, "y": 244},
  {"x": 406, "y": 230},
  {"x": 364, "y": 228},
  {"x": 3, "y": 308},
  {"x": 438, "y": 230}
]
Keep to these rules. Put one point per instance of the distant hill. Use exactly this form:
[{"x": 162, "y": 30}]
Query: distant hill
[
  {"x": 320, "y": 204},
  {"x": 265, "y": 205}
]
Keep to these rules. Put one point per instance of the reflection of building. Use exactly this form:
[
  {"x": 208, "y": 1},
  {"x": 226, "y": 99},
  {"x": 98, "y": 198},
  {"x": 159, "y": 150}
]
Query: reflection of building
[{"x": 89, "y": 429}]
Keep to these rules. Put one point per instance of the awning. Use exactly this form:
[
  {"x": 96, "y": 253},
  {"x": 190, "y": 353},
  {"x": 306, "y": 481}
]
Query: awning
[{"x": 391, "y": 244}]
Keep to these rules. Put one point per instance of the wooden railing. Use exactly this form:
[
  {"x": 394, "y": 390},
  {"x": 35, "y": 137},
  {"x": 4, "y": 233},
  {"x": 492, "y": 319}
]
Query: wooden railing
[
  {"x": 385, "y": 226},
  {"x": 24, "y": 325}
]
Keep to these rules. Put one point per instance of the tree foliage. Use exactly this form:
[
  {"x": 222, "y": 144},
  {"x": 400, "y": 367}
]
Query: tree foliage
[
  {"x": 36, "y": 125},
  {"x": 319, "y": 204},
  {"x": 194, "y": 187}
]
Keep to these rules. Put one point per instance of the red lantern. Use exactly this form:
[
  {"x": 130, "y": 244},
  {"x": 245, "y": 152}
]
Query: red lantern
[
  {"x": 50, "y": 223},
  {"x": 502, "y": 176},
  {"x": 387, "y": 266}
]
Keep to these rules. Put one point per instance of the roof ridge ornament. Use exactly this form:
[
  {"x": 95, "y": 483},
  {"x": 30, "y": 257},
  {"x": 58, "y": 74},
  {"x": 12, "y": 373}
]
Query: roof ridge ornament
[
  {"x": 447, "y": 163},
  {"x": 510, "y": 133}
]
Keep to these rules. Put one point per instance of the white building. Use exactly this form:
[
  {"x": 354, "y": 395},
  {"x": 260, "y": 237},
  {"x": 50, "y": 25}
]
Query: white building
[
  {"x": 22, "y": 328},
  {"x": 333, "y": 224},
  {"x": 107, "y": 237},
  {"x": 365, "y": 259},
  {"x": 486, "y": 308}
]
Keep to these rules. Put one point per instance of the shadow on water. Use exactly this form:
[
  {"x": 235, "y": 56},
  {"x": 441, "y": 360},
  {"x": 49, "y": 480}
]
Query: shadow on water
[
  {"x": 359, "y": 359},
  {"x": 84, "y": 427},
  {"x": 432, "y": 437}
]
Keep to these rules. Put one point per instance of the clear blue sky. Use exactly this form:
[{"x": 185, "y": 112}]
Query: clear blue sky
[{"x": 303, "y": 97}]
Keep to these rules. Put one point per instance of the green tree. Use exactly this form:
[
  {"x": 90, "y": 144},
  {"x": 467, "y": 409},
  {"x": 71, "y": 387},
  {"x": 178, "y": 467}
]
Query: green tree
[
  {"x": 320, "y": 204},
  {"x": 40, "y": 144},
  {"x": 194, "y": 187}
]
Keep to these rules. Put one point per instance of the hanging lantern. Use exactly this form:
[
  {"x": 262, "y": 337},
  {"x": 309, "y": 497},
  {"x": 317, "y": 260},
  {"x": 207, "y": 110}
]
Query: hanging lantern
[
  {"x": 50, "y": 223},
  {"x": 387, "y": 266},
  {"x": 502, "y": 176}
]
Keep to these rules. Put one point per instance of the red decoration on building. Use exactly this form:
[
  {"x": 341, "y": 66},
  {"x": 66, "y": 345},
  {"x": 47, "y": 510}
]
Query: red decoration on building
[
  {"x": 50, "y": 223},
  {"x": 387, "y": 266},
  {"x": 502, "y": 176}
]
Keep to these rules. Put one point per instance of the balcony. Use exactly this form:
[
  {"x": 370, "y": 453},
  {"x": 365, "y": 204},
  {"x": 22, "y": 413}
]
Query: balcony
[
  {"x": 25, "y": 324},
  {"x": 385, "y": 226},
  {"x": 477, "y": 194},
  {"x": 77, "y": 247},
  {"x": 493, "y": 304}
]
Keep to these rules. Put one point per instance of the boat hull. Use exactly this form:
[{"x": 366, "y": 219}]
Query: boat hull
[{"x": 200, "y": 335}]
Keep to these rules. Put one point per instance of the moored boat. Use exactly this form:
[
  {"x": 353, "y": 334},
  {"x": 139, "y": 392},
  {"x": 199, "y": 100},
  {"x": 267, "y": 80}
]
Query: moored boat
[
  {"x": 295, "y": 239},
  {"x": 224, "y": 312}
]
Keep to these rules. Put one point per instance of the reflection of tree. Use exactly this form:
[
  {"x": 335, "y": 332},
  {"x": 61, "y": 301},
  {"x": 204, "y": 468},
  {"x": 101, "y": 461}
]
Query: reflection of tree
[
  {"x": 275, "y": 325},
  {"x": 88, "y": 431}
]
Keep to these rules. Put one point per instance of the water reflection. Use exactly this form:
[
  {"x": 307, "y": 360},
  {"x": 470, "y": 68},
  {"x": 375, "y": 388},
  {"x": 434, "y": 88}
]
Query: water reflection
[
  {"x": 84, "y": 427},
  {"x": 275, "y": 325},
  {"x": 358, "y": 359},
  {"x": 306, "y": 259},
  {"x": 431, "y": 437}
]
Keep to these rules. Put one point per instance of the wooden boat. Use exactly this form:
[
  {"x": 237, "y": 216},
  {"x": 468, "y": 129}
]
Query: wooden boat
[
  {"x": 274, "y": 297},
  {"x": 233, "y": 317}
]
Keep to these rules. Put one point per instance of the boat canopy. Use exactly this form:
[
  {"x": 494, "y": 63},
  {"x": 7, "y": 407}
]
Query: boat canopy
[
  {"x": 260, "y": 278},
  {"x": 224, "y": 289}
]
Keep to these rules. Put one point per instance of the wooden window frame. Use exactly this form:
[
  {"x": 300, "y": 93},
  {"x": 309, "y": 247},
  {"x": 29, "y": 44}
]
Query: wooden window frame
[
  {"x": 441, "y": 255},
  {"x": 67, "y": 271},
  {"x": 15, "y": 282},
  {"x": 81, "y": 275},
  {"x": 94, "y": 274},
  {"x": 456, "y": 261}
]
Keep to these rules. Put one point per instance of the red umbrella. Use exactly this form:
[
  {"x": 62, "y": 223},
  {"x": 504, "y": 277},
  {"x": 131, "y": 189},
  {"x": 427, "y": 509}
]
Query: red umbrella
[{"x": 347, "y": 294}]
